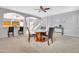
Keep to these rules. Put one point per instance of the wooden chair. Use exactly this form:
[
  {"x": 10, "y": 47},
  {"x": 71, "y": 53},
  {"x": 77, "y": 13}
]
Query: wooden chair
[{"x": 10, "y": 30}]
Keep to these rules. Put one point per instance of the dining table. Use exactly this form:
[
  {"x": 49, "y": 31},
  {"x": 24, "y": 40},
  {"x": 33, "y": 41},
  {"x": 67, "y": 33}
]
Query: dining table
[{"x": 39, "y": 35}]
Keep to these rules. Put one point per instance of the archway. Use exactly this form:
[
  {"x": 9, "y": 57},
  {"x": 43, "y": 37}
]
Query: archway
[{"x": 13, "y": 20}]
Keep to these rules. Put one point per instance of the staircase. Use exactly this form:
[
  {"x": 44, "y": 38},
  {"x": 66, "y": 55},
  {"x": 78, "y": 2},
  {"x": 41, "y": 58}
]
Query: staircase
[{"x": 35, "y": 25}]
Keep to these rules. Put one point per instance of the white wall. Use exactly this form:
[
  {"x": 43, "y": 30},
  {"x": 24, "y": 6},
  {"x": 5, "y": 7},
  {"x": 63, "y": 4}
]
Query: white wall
[{"x": 70, "y": 22}]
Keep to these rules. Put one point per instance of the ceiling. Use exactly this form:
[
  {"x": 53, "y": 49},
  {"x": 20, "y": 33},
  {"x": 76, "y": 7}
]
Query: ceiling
[{"x": 52, "y": 11}]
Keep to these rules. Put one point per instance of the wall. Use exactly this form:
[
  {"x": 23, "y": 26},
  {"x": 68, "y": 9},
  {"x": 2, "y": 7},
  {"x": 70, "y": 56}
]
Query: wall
[
  {"x": 70, "y": 22},
  {"x": 4, "y": 31}
]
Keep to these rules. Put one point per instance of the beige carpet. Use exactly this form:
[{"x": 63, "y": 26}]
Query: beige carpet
[{"x": 20, "y": 44}]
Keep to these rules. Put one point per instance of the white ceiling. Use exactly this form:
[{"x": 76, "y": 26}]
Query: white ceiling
[{"x": 53, "y": 10}]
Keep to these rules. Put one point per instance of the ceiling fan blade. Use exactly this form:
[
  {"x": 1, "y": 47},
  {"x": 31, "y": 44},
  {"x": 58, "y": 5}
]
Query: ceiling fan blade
[
  {"x": 46, "y": 8},
  {"x": 41, "y": 7}
]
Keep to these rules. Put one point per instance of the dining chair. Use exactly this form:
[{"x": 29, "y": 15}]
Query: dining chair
[
  {"x": 20, "y": 31},
  {"x": 50, "y": 35},
  {"x": 10, "y": 30}
]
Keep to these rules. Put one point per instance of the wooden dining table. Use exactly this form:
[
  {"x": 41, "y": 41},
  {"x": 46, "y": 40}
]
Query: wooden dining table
[{"x": 39, "y": 35}]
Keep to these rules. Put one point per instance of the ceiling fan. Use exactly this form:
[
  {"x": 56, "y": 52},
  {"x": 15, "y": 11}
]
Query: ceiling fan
[{"x": 42, "y": 8}]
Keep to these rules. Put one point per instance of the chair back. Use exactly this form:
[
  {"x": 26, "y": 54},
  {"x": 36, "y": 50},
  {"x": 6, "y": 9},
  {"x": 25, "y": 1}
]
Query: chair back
[
  {"x": 11, "y": 29},
  {"x": 21, "y": 29},
  {"x": 50, "y": 33}
]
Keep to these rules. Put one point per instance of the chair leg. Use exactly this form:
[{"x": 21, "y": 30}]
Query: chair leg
[
  {"x": 48, "y": 42},
  {"x": 29, "y": 38},
  {"x": 18, "y": 33},
  {"x": 52, "y": 40},
  {"x": 8, "y": 34},
  {"x": 13, "y": 34}
]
